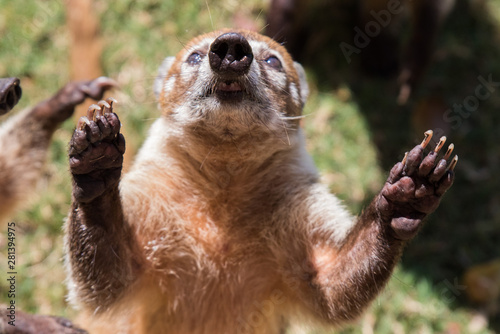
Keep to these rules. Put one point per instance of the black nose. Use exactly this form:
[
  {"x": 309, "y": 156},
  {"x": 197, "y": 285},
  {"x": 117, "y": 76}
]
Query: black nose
[
  {"x": 230, "y": 54},
  {"x": 10, "y": 93}
]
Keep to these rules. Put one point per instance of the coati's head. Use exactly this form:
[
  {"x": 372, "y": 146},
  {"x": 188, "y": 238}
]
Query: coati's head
[{"x": 231, "y": 83}]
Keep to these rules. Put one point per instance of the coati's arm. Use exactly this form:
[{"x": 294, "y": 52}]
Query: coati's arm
[
  {"x": 99, "y": 242},
  {"x": 26, "y": 323},
  {"x": 25, "y": 138},
  {"x": 340, "y": 281}
]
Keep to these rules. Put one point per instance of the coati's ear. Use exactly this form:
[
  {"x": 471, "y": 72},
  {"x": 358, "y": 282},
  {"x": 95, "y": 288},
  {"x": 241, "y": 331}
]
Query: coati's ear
[
  {"x": 304, "y": 87},
  {"x": 162, "y": 73}
]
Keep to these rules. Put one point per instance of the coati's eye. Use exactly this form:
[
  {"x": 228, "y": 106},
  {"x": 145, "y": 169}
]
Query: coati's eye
[
  {"x": 194, "y": 58},
  {"x": 274, "y": 62}
]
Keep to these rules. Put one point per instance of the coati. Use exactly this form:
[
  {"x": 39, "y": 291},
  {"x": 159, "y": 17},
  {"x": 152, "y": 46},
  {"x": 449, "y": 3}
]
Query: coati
[
  {"x": 24, "y": 142},
  {"x": 221, "y": 225},
  {"x": 25, "y": 137}
]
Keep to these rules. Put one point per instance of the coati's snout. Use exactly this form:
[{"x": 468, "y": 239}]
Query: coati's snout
[{"x": 230, "y": 55}]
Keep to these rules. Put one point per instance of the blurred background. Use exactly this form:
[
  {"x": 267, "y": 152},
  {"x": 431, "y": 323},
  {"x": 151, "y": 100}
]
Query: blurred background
[{"x": 374, "y": 91}]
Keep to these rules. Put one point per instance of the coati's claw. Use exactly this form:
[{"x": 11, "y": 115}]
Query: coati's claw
[
  {"x": 415, "y": 186},
  {"x": 82, "y": 122},
  {"x": 440, "y": 144},
  {"x": 404, "y": 158},
  {"x": 428, "y": 136},
  {"x": 453, "y": 163},
  {"x": 111, "y": 101},
  {"x": 105, "y": 108},
  {"x": 449, "y": 151},
  {"x": 96, "y": 152},
  {"x": 92, "y": 111}
]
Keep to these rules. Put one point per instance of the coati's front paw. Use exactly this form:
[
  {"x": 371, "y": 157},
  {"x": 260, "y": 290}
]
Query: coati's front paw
[
  {"x": 96, "y": 152},
  {"x": 414, "y": 188},
  {"x": 10, "y": 93},
  {"x": 73, "y": 94}
]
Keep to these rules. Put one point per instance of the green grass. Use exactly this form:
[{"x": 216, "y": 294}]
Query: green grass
[{"x": 355, "y": 132}]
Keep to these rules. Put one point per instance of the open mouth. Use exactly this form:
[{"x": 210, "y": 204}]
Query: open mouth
[{"x": 230, "y": 91}]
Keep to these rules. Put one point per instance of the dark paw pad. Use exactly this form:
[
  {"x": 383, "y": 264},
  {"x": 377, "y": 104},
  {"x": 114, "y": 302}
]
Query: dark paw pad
[
  {"x": 96, "y": 152},
  {"x": 415, "y": 186}
]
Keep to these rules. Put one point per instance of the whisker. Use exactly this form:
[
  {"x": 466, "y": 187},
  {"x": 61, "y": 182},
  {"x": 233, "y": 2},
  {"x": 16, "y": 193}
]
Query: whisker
[
  {"x": 180, "y": 42},
  {"x": 269, "y": 129},
  {"x": 284, "y": 125},
  {"x": 286, "y": 132},
  {"x": 210, "y": 15},
  {"x": 265, "y": 25},
  {"x": 292, "y": 117},
  {"x": 278, "y": 33},
  {"x": 204, "y": 159}
]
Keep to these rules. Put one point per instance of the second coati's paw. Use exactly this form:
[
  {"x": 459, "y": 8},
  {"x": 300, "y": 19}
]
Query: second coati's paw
[
  {"x": 72, "y": 94},
  {"x": 10, "y": 93},
  {"x": 40, "y": 324},
  {"x": 96, "y": 152},
  {"x": 414, "y": 188}
]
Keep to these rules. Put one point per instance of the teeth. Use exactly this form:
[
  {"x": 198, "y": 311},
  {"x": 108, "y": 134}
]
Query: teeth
[{"x": 229, "y": 86}]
